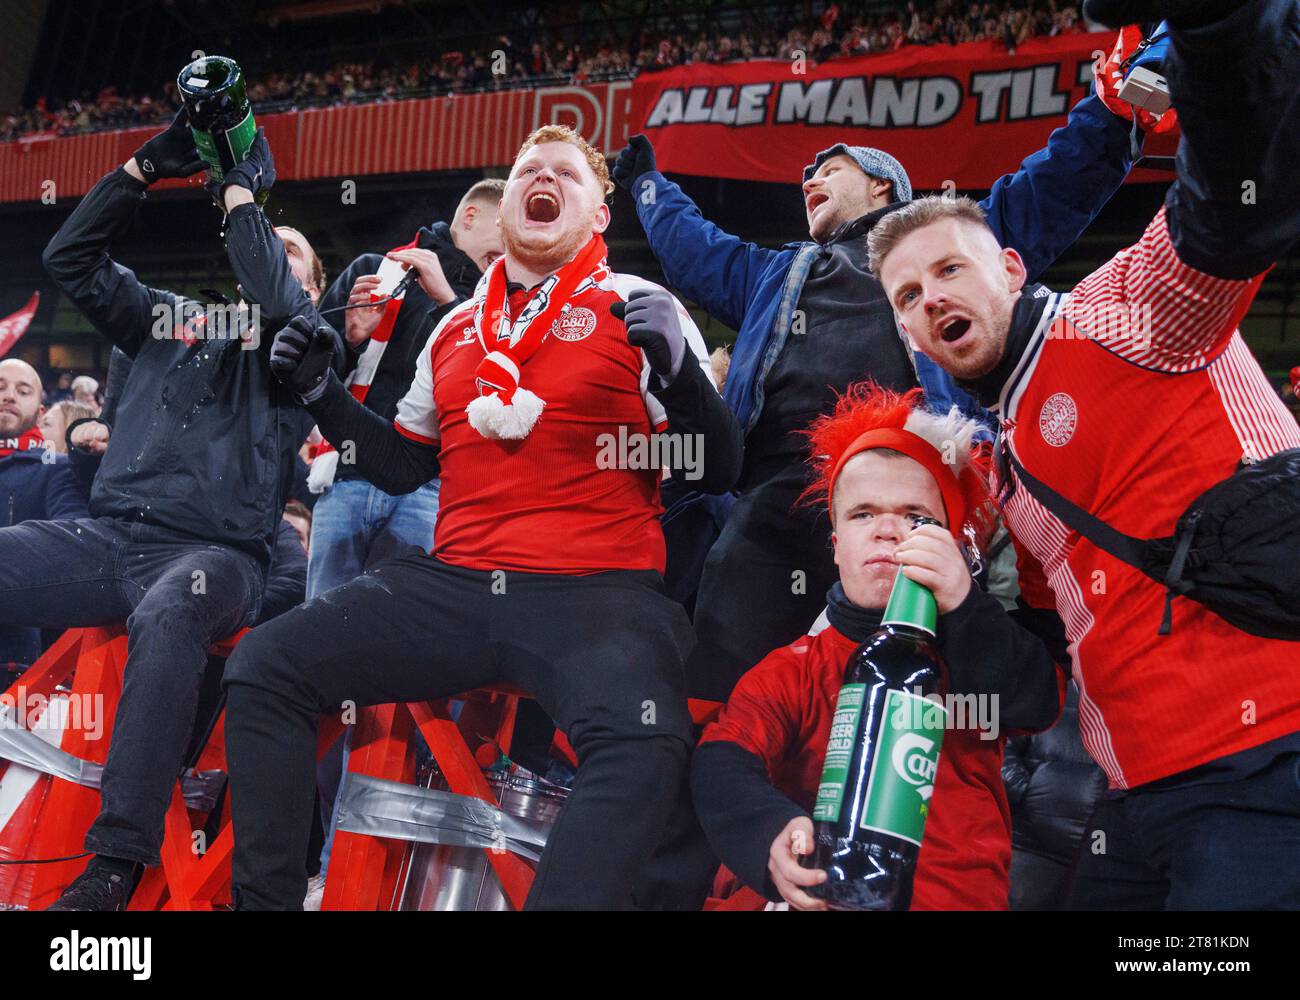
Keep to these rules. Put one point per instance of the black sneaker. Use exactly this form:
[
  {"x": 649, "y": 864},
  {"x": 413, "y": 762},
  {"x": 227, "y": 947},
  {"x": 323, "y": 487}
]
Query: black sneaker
[{"x": 96, "y": 889}]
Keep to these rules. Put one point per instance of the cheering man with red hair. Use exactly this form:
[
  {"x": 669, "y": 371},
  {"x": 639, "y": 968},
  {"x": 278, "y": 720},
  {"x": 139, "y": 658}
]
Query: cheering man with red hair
[
  {"x": 537, "y": 402},
  {"x": 903, "y": 485}
]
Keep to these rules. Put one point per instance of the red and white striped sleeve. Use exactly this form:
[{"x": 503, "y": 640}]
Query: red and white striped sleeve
[{"x": 1147, "y": 306}]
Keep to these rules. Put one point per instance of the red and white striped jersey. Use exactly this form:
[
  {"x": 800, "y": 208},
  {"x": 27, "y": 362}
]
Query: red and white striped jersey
[
  {"x": 1136, "y": 393},
  {"x": 549, "y": 503}
]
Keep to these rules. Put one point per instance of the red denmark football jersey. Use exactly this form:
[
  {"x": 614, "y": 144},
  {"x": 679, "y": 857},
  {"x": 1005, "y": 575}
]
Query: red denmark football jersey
[
  {"x": 781, "y": 711},
  {"x": 1135, "y": 395},
  {"x": 550, "y": 503}
]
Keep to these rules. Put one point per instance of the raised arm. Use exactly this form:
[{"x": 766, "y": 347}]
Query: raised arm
[
  {"x": 77, "y": 258},
  {"x": 261, "y": 267},
  {"x": 677, "y": 384},
  {"x": 1043, "y": 207},
  {"x": 257, "y": 255},
  {"x": 1235, "y": 207},
  {"x": 1172, "y": 300},
  {"x": 992, "y": 652},
  {"x": 714, "y": 268}
]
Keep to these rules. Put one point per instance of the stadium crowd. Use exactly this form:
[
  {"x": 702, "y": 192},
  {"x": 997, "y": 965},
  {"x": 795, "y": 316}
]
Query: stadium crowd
[{"x": 526, "y": 60}]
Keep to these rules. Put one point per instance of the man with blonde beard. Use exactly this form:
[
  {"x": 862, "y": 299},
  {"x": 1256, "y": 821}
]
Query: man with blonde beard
[
  {"x": 35, "y": 485},
  {"x": 1132, "y": 410},
  {"x": 548, "y": 556}
]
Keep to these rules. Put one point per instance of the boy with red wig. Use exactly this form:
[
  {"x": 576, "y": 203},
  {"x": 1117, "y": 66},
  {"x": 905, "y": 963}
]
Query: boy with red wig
[{"x": 903, "y": 485}]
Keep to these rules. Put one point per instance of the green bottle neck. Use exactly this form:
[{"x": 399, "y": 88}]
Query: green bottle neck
[{"x": 910, "y": 604}]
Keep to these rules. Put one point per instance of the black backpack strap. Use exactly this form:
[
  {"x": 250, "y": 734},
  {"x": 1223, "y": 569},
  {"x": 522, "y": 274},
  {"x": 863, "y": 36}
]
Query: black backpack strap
[{"x": 1123, "y": 547}]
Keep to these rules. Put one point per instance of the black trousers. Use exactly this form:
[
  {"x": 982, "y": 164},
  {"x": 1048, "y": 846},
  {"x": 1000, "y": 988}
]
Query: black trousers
[
  {"x": 177, "y": 596},
  {"x": 602, "y": 654},
  {"x": 1229, "y": 845}
]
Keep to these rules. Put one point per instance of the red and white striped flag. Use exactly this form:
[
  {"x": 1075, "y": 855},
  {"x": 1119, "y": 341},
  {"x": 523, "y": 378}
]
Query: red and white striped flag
[{"x": 13, "y": 326}]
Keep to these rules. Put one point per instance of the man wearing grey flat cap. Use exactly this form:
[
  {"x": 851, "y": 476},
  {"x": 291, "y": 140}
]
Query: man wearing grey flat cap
[{"x": 812, "y": 320}]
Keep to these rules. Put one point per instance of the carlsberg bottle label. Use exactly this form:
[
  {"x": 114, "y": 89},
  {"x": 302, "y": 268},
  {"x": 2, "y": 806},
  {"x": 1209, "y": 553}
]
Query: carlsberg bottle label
[
  {"x": 239, "y": 139},
  {"x": 904, "y": 767},
  {"x": 839, "y": 750}
]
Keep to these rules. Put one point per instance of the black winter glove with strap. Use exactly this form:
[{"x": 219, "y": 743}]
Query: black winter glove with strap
[
  {"x": 301, "y": 357},
  {"x": 171, "y": 153},
  {"x": 652, "y": 325},
  {"x": 255, "y": 172}
]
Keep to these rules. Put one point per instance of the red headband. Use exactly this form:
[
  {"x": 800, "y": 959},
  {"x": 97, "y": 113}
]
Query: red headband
[{"x": 919, "y": 449}]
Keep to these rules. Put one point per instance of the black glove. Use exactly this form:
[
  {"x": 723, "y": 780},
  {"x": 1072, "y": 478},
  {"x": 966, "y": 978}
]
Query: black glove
[
  {"x": 652, "y": 325},
  {"x": 170, "y": 153},
  {"x": 637, "y": 158},
  {"x": 255, "y": 172},
  {"x": 301, "y": 357}
]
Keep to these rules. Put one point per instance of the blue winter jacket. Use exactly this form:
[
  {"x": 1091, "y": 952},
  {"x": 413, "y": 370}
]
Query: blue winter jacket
[
  {"x": 34, "y": 488},
  {"x": 1040, "y": 211}
]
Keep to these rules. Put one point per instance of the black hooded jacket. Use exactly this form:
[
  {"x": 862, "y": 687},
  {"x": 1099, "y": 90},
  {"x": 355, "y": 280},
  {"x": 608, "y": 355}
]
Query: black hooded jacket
[
  {"x": 205, "y": 436},
  {"x": 844, "y": 331}
]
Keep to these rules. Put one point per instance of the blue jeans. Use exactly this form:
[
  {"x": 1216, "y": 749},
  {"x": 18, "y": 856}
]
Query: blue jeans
[{"x": 355, "y": 526}]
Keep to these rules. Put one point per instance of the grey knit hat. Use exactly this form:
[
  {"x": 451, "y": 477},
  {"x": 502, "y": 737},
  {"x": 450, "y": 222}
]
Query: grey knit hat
[{"x": 875, "y": 162}]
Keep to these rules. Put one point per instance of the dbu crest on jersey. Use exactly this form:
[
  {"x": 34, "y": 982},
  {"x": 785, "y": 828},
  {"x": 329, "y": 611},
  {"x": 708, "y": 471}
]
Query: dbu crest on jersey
[
  {"x": 1058, "y": 419},
  {"x": 575, "y": 324}
]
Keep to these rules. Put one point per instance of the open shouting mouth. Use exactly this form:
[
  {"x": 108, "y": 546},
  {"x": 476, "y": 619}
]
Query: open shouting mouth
[
  {"x": 542, "y": 206},
  {"x": 952, "y": 329},
  {"x": 817, "y": 200}
]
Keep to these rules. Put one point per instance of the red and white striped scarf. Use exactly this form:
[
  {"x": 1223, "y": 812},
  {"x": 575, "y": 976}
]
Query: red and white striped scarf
[
  {"x": 504, "y": 409},
  {"x": 325, "y": 461}
]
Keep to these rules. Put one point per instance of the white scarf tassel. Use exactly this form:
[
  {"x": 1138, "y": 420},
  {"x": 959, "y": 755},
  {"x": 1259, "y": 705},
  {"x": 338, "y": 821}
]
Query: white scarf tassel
[
  {"x": 494, "y": 419},
  {"x": 323, "y": 469}
]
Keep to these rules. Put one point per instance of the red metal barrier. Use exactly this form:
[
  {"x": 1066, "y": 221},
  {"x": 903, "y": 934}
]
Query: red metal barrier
[
  {"x": 52, "y": 821},
  {"x": 364, "y": 871}
]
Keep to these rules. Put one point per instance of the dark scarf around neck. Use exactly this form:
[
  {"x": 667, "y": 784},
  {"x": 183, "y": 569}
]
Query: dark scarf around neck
[{"x": 849, "y": 619}]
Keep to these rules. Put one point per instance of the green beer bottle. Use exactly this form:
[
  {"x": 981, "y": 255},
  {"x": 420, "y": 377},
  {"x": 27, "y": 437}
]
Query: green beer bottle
[
  {"x": 221, "y": 117},
  {"x": 881, "y": 760}
]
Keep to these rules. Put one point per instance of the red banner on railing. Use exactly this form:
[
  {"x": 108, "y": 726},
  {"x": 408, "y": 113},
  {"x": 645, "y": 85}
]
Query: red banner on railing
[{"x": 964, "y": 114}]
